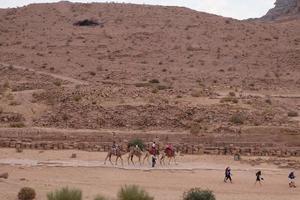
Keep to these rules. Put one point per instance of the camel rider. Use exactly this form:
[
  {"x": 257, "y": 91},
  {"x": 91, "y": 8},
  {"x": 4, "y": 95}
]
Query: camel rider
[
  {"x": 169, "y": 147},
  {"x": 114, "y": 148},
  {"x": 153, "y": 148}
]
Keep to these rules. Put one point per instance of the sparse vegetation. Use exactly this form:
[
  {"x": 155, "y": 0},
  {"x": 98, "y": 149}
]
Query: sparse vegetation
[
  {"x": 293, "y": 114},
  {"x": 198, "y": 194},
  {"x": 195, "y": 128},
  {"x": 133, "y": 192},
  {"x": 136, "y": 141},
  {"x": 237, "y": 118},
  {"x": 154, "y": 81},
  {"x": 57, "y": 83},
  {"x": 99, "y": 197},
  {"x": 26, "y": 193},
  {"x": 17, "y": 125},
  {"x": 65, "y": 194}
]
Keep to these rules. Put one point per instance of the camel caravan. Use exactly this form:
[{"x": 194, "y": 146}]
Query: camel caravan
[{"x": 137, "y": 150}]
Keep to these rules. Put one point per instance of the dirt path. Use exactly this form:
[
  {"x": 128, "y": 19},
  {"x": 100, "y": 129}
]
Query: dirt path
[
  {"x": 55, "y": 169},
  {"x": 61, "y": 77}
]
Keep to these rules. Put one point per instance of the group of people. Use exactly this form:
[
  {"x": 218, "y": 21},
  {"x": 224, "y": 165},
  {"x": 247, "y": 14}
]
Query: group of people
[
  {"x": 259, "y": 178},
  {"x": 154, "y": 151}
]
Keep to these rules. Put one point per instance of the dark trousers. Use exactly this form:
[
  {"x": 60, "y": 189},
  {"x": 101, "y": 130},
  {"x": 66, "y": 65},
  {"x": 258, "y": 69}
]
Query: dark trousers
[
  {"x": 153, "y": 161},
  {"x": 227, "y": 178}
]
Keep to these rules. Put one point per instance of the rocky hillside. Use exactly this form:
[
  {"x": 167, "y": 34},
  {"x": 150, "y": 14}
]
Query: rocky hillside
[
  {"x": 284, "y": 9},
  {"x": 120, "y": 66}
]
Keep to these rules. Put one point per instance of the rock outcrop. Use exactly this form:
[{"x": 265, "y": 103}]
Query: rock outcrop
[{"x": 284, "y": 9}]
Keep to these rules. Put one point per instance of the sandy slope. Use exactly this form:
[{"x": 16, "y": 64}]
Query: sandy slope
[{"x": 165, "y": 183}]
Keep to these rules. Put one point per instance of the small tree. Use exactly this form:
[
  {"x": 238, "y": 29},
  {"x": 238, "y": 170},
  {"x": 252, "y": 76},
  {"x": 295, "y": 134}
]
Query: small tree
[
  {"x": 198, "y": 194},
  {"x": 237, "y": 118},
  {"x": 65, "y": 194},
  {"x": 133, "y": 192},
  {"x": 26, "y": 193},
  {"x": 136, "y": 141},
  {"x": 293, "y": 114},
  {"x": 99, "y": 197}
]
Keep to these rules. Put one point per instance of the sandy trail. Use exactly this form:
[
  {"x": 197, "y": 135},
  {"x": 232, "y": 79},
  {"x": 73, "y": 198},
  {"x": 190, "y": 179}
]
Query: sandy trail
[
  {"x": 48, "y": 170},
  {"x": 58, "y": 76}
]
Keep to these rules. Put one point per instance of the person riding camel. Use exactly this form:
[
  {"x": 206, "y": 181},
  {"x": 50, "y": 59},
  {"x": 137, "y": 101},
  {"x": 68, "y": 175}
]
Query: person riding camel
[
  {"x": 153, "y": 150},
  {"x": 114, "y": 148},
  {"x": 169, "y": 149}
]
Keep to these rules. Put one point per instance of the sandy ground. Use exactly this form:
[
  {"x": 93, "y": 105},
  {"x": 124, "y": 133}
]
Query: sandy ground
[{"x": 46, "y": 171}]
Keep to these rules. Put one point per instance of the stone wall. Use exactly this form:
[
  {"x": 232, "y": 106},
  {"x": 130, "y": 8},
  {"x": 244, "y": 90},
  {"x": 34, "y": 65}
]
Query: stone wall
[{"x": 101, "y": 141}]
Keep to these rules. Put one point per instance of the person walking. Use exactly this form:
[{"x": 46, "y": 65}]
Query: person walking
[
  {"x": 292, "y": 178},
  {"x": 228, "y": 175},
  {"x": 258, "y": 177}
]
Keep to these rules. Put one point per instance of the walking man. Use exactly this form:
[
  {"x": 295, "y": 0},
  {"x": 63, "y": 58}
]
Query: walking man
[{"x": 228, "y": 175}]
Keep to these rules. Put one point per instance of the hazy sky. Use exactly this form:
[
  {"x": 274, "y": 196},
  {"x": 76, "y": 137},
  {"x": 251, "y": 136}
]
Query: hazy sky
[{"x": 239, "y": 9}]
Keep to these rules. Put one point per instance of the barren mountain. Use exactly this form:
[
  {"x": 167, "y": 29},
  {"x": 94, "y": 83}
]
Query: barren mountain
[
  {"x": 146, "y": 67},
  {"x": 284, "y": 9}
]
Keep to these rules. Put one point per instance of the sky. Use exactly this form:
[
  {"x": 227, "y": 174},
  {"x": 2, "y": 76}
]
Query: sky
[{"x": 238, "y": 9}]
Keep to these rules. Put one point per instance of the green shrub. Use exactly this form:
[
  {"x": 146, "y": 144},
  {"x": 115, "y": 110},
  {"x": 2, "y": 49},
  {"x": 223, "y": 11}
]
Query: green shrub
[
  {"x": 99, "y": 197},
  {"x": 26, "y": 193},
  {"x": 195, "y": 128},
  {"x": 154, "y": 81},
  {"x": 293, "y": 114},
  {"x": 237, "y": 118},
  {"x": 133, "y": 192},
  {"x": 17, "y": 124},
  {"x": 65, "y": 194},
  {"x": 198, "y": 194},
  {"x": 136, "y": 141}
]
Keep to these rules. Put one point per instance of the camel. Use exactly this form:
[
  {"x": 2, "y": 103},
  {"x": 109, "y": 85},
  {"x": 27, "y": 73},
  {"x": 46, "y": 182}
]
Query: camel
[
  {"x": 168, "y": 153},
  {"x": 118, "y": 153},
  {"x": 134, "y": 151}
]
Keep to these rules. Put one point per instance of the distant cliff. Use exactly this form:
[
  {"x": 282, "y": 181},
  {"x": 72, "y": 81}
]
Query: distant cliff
[{"x": 284, "y": 9}]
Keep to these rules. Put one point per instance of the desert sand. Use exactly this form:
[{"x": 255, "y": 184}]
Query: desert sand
[{"x": 46, "y": 171}]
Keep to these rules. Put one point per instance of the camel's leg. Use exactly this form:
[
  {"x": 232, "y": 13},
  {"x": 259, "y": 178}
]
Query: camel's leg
[
  {"x": 117, "y": 158},
  {"x": 132, "y": 160},
  {"x": 122, "y": 161},
  {"x": 162, "y": 160},
  {"x": 146, "y": 156},
  {"x": 175, "y": 160},
  {"x": 140, "y": 160},
  {"x": 110, "y": 160},
  {"x": 105, "y": 159},
  {"x": 128, "y": 159}
]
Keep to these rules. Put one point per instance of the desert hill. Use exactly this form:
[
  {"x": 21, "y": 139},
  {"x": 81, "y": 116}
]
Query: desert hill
[
  {"x": 284, "y": 10},
  {"x": 147, "y": 68}
]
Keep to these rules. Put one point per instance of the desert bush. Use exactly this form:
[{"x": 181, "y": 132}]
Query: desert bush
[
  {"x": 154, "y": 81},
  {"x": 198, "y": 194},
  {"x": 99, "y": 197},
  {"x": 196, "y": 93},
  {"x": 293, "y": 114},
  {"x": 93, "y": 73},
  {"x": 237, "y": 118},
  {"x": 65, "y": 194},
  {"x": 162, "y": 87},
  {"x": 17, "y": 125},
  {"x": 229, "y": 99},
  {"x": 136, "y": 141},
  {"x": 6, "y": 84},
  {"x": 232, "y": 94},
  {"x": 57, "y": 83},
  {"x": 195, "y": 128},
  {"x": 26, "y": 193},
  {"x": 133, "y": 192}
]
